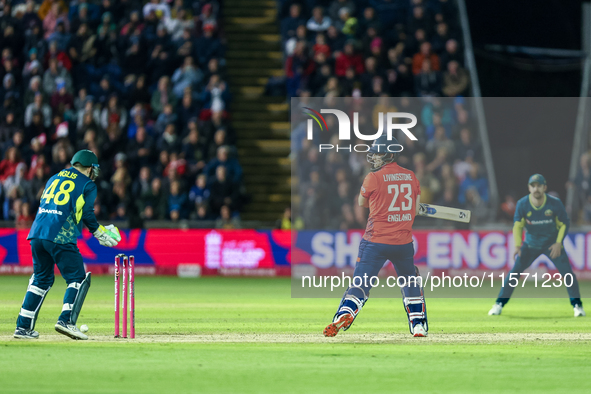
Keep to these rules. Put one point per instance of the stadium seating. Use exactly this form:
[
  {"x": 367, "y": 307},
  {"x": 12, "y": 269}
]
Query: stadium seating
[
  {"x": 141, "y": 85},
  {"x": 379, "y": 48}
]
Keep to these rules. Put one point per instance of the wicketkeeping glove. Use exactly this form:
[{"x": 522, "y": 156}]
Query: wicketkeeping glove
[{"x": 108, "y": 235}]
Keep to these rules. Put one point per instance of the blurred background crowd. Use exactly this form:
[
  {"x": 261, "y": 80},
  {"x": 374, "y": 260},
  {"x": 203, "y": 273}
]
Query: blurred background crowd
[
  {"x": 408, "y": 55},
  {"x": 446, "y": 158},
  {"x": 372, "y": 48},
  {"x": 141, "y": 84}
]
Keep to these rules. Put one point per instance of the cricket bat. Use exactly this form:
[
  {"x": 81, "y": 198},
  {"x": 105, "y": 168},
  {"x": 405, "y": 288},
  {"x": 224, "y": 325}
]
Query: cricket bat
[{"x": 446, "y": 213}]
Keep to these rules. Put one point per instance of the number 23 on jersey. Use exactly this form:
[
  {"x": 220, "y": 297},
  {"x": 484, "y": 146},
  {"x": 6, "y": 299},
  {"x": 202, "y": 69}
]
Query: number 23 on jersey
[{"x": 406, "y": 190}]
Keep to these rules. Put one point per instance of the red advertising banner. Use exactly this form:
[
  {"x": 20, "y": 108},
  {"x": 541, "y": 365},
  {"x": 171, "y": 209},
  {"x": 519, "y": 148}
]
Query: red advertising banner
[
  {"x": 169, "y": 252},
  {"x": 271, "y": 253}
]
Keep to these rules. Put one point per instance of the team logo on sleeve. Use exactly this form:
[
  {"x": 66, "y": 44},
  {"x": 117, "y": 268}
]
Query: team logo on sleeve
[
  {"x": 548, "y": 212},
  {"x": 362, "y": 189}
]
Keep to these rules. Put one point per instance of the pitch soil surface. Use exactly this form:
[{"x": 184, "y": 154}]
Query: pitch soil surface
[{"x": 468, "y": 338}]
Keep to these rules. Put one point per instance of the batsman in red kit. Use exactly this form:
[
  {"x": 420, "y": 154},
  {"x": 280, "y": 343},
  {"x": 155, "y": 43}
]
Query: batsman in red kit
[{"x": 392, "y": 194}]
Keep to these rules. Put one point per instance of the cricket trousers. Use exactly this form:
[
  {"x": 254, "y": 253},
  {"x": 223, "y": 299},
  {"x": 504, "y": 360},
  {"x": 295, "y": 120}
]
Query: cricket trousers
[
  {"x": 46, "y": 255},
  {"x": 528, "y": 255}
]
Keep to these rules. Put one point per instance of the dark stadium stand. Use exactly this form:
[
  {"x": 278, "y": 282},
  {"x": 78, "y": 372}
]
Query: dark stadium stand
[
  {"x": 254, "y": 55},
  {"x": 142, "y": 85},
  {"x": 390, "y": 49}
]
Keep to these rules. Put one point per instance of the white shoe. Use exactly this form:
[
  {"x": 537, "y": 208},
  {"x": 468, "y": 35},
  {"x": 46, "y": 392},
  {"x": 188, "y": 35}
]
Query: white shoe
[
  {"x": 69, "y": 330},
  {"x": 496, "y": 309},
  {"x": 579, "y": 311},
  {"x": 23, "y": 333},
  {"x": 419, "y": 331}
]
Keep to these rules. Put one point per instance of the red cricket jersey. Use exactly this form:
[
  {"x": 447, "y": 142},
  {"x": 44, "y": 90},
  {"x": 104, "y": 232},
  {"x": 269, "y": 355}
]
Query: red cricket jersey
[{"x": 392, "y": 194}]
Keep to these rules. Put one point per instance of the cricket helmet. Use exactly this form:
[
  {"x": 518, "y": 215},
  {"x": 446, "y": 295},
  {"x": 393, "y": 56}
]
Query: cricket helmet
[
  {"x": 87, "y": 158},
  {"x": 383, "y": 152}
]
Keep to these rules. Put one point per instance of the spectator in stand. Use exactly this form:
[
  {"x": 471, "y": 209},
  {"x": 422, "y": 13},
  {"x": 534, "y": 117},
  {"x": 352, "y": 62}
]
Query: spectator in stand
[
  {"x": 428, "y": 81},
  {"x": 57, "y": 15},
  {"x": 9, "y": 87},
  {"x": 189, "y": 109},
  {"x": 37, "y": 127},
  {"x": 455, "y": 80},
  {"x": 39, "y": 106},
  {"x": 207, "y": 46},
  {"x": 318, "y": 22},
  {"x": 202, "y": 213},
  {"x": 220, "y": 138},
  {"x": 141, "y": 150},
  {"x": 38, "y": 158},
  {"x": 226, "y": 220},
  {"x": 82, "y": 17},
  {"x": 285, "y": 222},
  {"x": 297, "y": 66},
  {"x": 169, "y": 141},
  {"x": 420, "y": 19},
  {"x": 425, "y": 53},
  {"x": 338, "y": 5},
  {"x": 430, "y": 185},
  {"x": 466, "y": 146},
  {"x": 195, "y": 150},
  {"x": 113, "y": 113},
  {"x": 38, "y": 182},
  {"x": 165, "y": 118},
  {"x": 142, "y": 184},
  {"x": 440, "y": 140},
  {"x": 348, "y": 58},
  {"x": 161, "y": 9},
  {"x": 233, "y": 169},
  {"x": 508, "y": 206},
  {"x": 335, "y": 39},
  {"x": 223, "y": 191},
  {"x": 208, "y": 16},
  {"x": 346, "y": 22},
  {"x": 177, "y": 202},
  {"x": 452, "y": 53},
  {"x": 52, "y": 75},
  {"x": 186, "y": 76},
  {"x": 12, "y": 204},
  {"x": 474, "y": 188},
  {"x": 162, "y": 95},
  {"x": 79, "y": 77},
  {"x": 290, "y": 24},
  {"x": 215, "y": 96},
  {"x": 34, "y": 88},
  {"x": 60, "y": 54},
  {"x": 320, "y": 46},
  {"x": 60, "y": 36},
  {"x": 152, "y": 204},
  {"x": 139, "y": 94},
  {"x": 34, "y": 40},
  {"x": 9, "y": 164},
  {"x": 81, "y": 46},
  {"x": 199, "y": 193},
  {"x": 61, "y": 100},
  {"x": 18, "y": 180}
]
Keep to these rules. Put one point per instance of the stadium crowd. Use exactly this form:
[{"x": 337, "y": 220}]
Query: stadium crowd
[
  {"x": 383, "y": 49},
  {"x": 141, "y": 84}
]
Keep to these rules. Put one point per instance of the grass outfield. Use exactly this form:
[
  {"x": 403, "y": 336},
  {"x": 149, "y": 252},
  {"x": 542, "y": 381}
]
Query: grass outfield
[{"x": 223, "y": 335}]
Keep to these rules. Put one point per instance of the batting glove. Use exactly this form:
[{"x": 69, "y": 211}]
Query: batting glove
[{"x": 108, "y": 235}]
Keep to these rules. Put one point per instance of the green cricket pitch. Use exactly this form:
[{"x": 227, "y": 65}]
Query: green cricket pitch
[{"x": 247, "y": 335}]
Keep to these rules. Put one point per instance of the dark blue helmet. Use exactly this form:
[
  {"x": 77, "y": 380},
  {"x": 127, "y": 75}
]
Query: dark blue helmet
[{"x": 383, "y": 151}]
